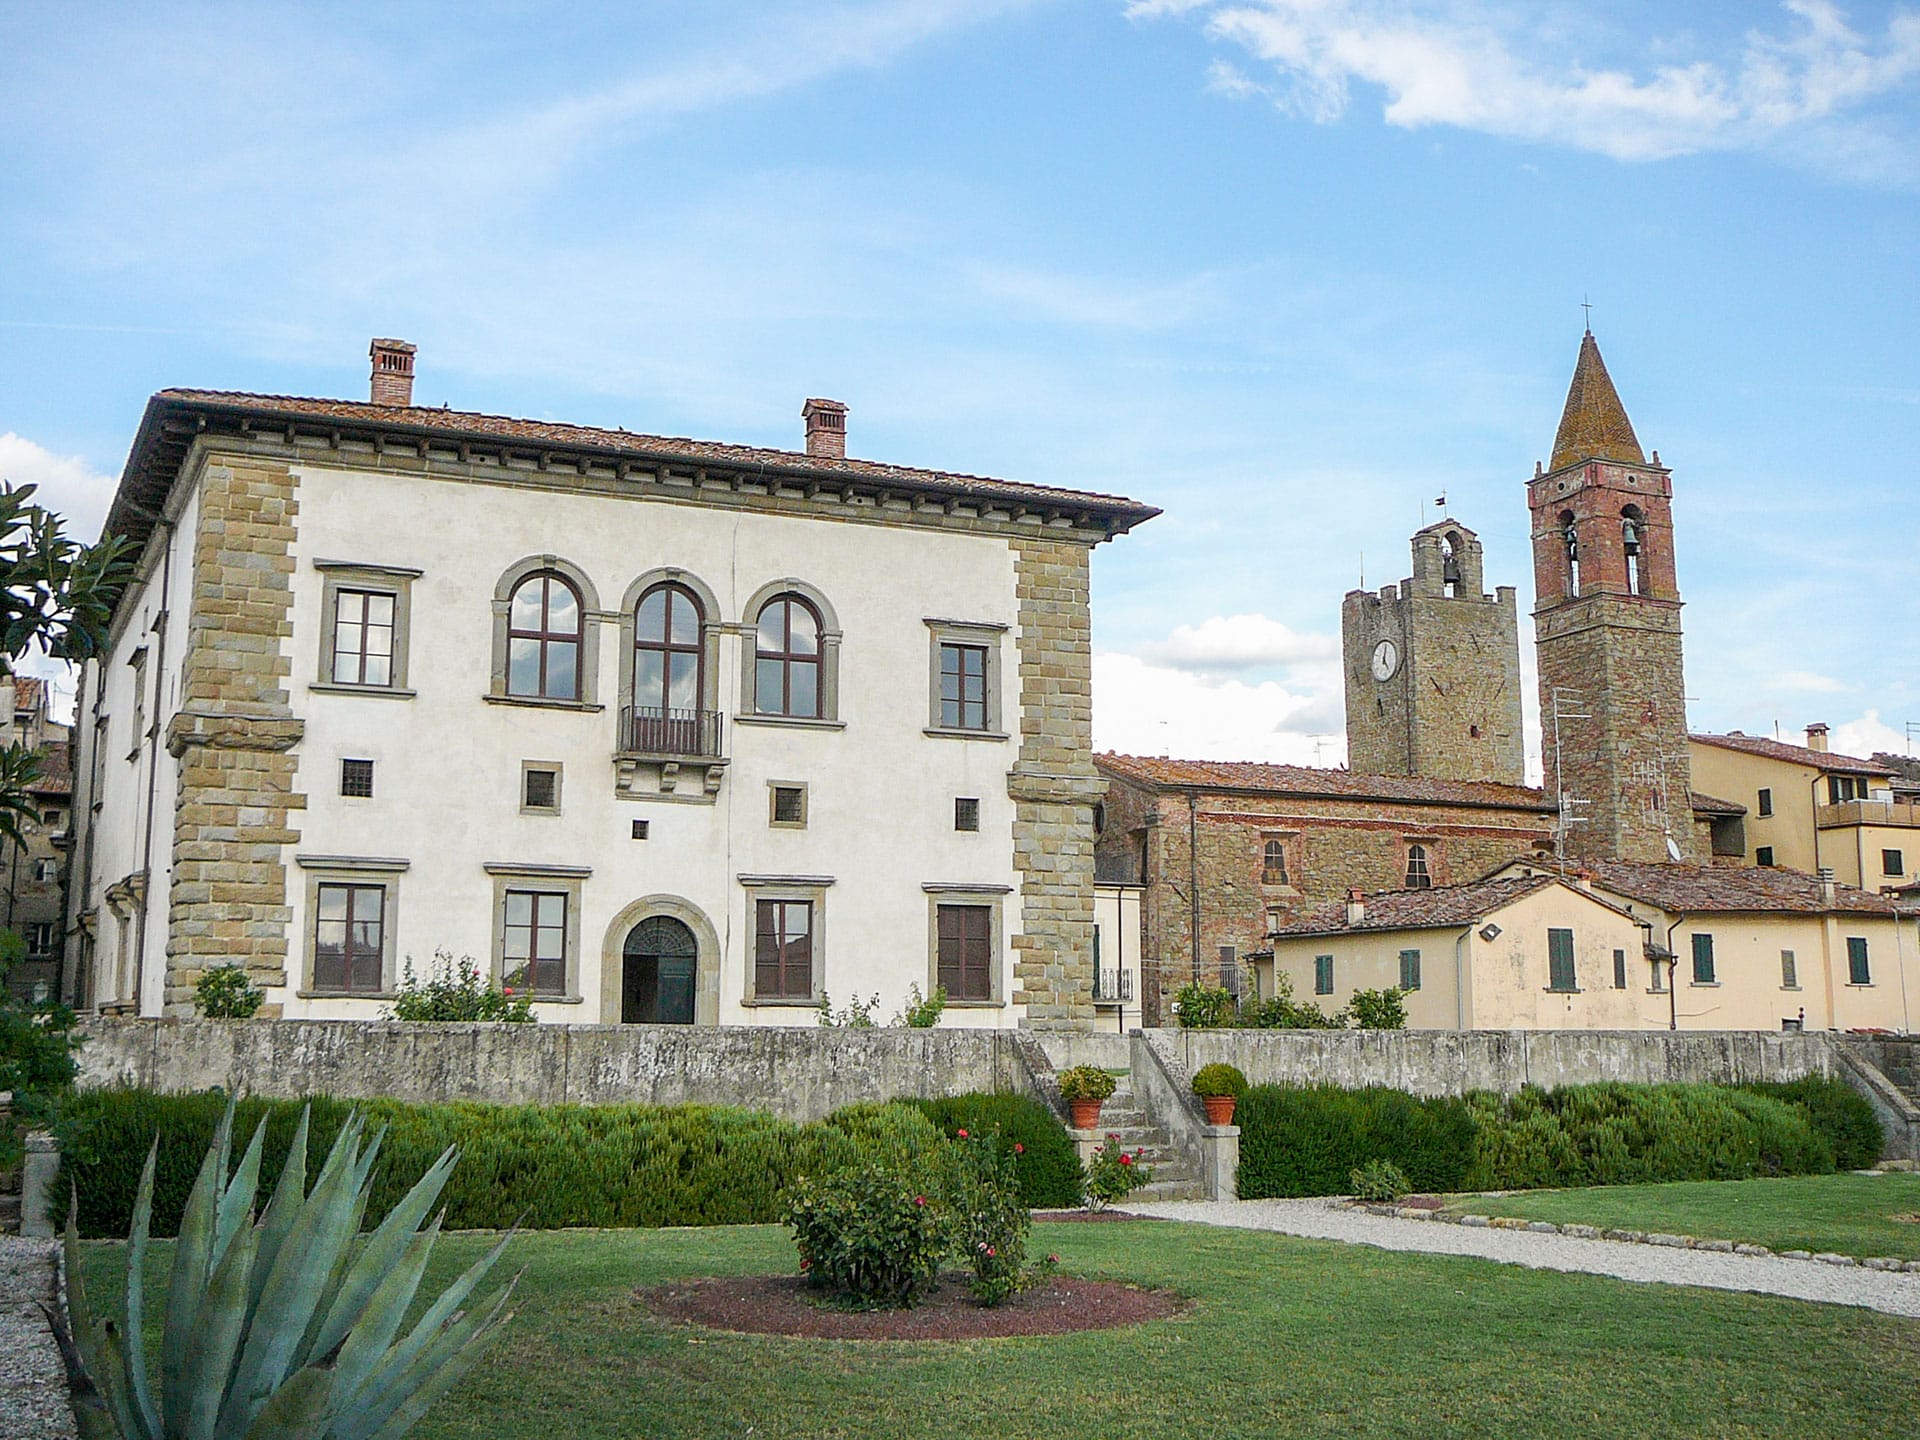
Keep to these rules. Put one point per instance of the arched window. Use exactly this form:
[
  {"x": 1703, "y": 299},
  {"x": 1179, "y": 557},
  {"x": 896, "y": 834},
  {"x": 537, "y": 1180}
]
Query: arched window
[
  {"x": 544, "y": 631},
  {"x": 1419, "y": 877},
  {"x": 668, "y": 659},
  {"x": 786, "y": 662},
  {"x": 1273, "y": 867},
  {"x": 1632, "y": 535},
  {"x": 1570, "y": 538}
]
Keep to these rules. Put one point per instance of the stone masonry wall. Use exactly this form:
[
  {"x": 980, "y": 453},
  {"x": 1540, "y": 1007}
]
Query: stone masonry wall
[
  {"x": 1054, "y": 786},
  {"x": 234, "y": 734}
]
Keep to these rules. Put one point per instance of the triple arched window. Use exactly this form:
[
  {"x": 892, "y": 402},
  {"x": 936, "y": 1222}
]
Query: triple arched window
[{"x": 545, "y": 629}]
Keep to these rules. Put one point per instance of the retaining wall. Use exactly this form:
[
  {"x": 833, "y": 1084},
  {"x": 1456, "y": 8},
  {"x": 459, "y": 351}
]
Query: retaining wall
[
  {"x": 800, "y": 1074},
  {"x": 1450, "y": 1062}
]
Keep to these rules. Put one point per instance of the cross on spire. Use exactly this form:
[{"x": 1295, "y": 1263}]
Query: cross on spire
[{"x": 1589, "y": 309}]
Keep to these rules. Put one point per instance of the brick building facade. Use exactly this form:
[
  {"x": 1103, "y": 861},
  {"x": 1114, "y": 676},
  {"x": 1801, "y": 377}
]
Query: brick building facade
[{"x": 1229, "y": 850}]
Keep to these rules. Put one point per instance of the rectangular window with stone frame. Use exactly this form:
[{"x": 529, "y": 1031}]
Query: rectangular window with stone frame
[
  {"x": 364, "y": 610},
  {"x": 783, "y": 950},
  {"x": 965, "y": 695},
  {"x": 352, "y": 913},
  {"x": 966, "y": 951},
  {"x": 534, "y": 942}
]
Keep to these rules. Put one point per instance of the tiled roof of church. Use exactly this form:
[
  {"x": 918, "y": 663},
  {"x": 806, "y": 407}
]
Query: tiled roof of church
[
  {"x": 1441, "y": 908},
  {"x": 1594, "y": 426},
  {"x": 1736, "y": 889},
  {"x": 1248, "y": 775}
]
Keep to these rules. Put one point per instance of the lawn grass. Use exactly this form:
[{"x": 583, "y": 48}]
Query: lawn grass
[
  {"x": 1850, "y": 1214},
  {"x": 1287, "y": 1337}
]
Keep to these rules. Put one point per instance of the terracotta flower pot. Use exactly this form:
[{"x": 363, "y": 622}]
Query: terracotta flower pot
[
  {"x": 1219, "y": 1109},
  {"x": 1086, "y": 1114}
]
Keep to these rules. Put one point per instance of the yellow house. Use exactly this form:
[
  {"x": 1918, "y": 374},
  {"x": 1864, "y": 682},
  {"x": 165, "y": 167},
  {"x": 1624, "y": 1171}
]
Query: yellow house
[
  {"x": 1526, "y": 951},
  {"x": 1619, "y": 946},
  {"x": 1808, "y": 808},
  {"x": 1757, "y": 948}
]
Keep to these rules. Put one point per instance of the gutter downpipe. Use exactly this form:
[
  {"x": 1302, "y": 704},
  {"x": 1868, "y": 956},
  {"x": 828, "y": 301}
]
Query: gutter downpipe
[
  {"x": 1673, "y": 975},
  {"x": 1193, "y": 878},
  {"x": 1461, "y": 1010},
  {"x": 154, "y": 728}
]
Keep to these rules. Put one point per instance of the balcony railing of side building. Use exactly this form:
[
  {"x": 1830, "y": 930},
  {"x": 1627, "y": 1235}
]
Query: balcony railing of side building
[
  {"x": 1867, "y": 812},
  {"x": 1112, "y": 987}
]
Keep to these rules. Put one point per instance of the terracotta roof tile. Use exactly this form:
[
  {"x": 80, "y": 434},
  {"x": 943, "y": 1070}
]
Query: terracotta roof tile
[
  {"x": 1680, "y": 889},
  {"x": 1594, "y": 424},
  {"x": 1827, "y": 760},
  {"x": 1254, "y": 777},
  {"x": 474, "y": 425},
  {"x": 56, "y": 770},
  {"x": 1439, "y": 908},
  {"x": 1709, "y": 805}
]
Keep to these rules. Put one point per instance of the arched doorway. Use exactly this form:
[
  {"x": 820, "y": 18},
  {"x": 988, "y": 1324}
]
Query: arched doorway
[{"x": 657, "y": 965}]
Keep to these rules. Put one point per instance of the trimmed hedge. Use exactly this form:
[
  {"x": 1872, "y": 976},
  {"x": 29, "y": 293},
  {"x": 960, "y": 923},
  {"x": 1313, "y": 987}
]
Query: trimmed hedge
[
  {"x": 1307, "y": 1140},
  {"x": 1839, "y": 1112},
  {"x": 543, "y": 1167},
  {"x": 1049, "y": 1168}
]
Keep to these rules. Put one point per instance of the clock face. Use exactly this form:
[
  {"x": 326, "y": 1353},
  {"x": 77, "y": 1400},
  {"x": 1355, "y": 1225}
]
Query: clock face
[{"x": 1386, "y": 660}]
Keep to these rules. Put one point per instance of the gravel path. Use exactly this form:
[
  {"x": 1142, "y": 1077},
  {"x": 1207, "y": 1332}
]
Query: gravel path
[
  {"x": 1896, "y": 1294},
  {"x": 33, "y": 1386}
]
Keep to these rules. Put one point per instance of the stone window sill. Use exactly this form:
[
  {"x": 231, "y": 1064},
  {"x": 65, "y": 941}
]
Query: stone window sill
[
  {"x": 1704, "y": 984},
  {"x": 347, "y": 994},
  {"x": 1790, "y": 987},
  {"x": 1564, "y": 990},
  {"x": 1860, "y": 985},
  {"x": 783, "y": 1003},
  {"x": 534, "y": 702},
  {"x": 372, "y": 692},
  {"x": 953, "y": 1004},
  {"x": 951, "y": 732},
  {"x": 797, "y": 722}
]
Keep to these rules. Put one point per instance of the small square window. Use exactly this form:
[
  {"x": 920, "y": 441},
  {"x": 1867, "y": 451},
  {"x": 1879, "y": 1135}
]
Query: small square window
[
  {"x": 1763, "y": 856},
  {"x": 789, "y": 806},
  {"x": 1893, "y": 862},
  {"x": 966, "y": 813},
  {"x": 640, "y": 829},
  {"x": 46, "y": 871},
  {"x": 540, "y": 789},
  {"x": 356, "y": 778}
]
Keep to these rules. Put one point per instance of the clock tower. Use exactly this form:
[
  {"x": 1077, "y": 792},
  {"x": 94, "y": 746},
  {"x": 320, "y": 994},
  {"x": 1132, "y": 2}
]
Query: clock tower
[{"x": 1433, "y": 669}]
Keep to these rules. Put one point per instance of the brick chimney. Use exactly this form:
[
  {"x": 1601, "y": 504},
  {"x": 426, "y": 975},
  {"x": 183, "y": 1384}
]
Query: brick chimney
[
  {"x": 1829, "y": 892},
  {"x": 1356, "y": 907},
  {"x": 392, "y": 372},
  {"x": 1817, "y": 737},
  {"x": 826, "y": 428}
]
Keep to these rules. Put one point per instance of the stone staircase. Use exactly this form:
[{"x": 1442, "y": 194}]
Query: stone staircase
[
  {"x": 1174, "y": 1178},
  {"x": 1900, "y": 1063}
]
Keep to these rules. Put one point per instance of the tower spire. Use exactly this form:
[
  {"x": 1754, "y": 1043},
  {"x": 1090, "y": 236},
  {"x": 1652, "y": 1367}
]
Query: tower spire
[{"x": 1594, "y": 425}]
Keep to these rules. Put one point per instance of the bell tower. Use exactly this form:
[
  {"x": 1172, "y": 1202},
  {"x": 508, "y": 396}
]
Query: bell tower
[
  {"x": 1607, "y": 628},
  {"x": 1433, "y": 668}
]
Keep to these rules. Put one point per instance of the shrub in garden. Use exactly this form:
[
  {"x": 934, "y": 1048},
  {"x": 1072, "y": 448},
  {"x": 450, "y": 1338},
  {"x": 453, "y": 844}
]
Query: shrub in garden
[
  {"x": 1113, "y": 1173},
  {"x": 1308, "y": 1139},
  {"x": 278, "y": 1328},
  {"x": 456, "y": 992},
  {"x": 1838, "y": 1112},
  {"x": 1379, "y": 1009},
  {"x": 856, "y": 1014},
  {"x": 1379, "y": 1180},
  {"x": 224, "y": 993},
  {"x": 871, "y": 1231},
  {"x": 1204, "y": 1007},
  {"x": 1045, "y": 1160},
  {"x": 990, "y": 1220},
  {"x": 922, "y": 1013}
]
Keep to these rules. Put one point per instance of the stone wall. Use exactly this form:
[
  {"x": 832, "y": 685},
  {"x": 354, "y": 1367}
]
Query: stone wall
[
  {"x": 234, "y": 734},
  {"x": 800, "y": 1074},
  {"x": 1054, "y": 786},
  {"x": 1440, "y": 1062}
]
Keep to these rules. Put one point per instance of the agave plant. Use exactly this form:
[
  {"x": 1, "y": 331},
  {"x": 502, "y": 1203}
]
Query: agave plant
[{"x": 284, "y": 1328}]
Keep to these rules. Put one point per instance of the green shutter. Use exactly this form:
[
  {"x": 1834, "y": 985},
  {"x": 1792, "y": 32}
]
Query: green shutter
[
  {"x": 1323, "y": 974},
  {"x": 1857, "y": 970},
  {"x": 1560, "y": 960},
  {"x": 1619, "y": 969},
  {"x": 1409, "y": 969},
  {"x": 1703, "y": 960}
]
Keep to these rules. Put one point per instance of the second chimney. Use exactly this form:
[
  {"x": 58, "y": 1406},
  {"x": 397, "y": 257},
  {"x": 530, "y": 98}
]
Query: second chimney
[
  {"x": 826, "y": 428},
  {"x": 1356, "y": 908},
  {"x": 392, "y": 372},
  {"x": 1817, "y": 737}
]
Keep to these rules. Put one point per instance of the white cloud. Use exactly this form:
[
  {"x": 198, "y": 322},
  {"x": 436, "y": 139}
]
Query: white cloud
[
  {"x": 67, "y": 484},
  {"x": 1239, "y": 642},
  {"x": 1146, "y": 709},
  {"x": 1811, "y": 682},
  {"x": 1514, "y": 73},
  {"x": 1867, "y": 735}
]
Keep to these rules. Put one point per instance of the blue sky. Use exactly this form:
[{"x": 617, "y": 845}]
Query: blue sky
[{"x": 1287, "y": 268}]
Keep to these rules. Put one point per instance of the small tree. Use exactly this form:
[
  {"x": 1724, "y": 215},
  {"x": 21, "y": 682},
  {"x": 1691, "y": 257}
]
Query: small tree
[
  {"x": 1379, "y": 1009},
  {"x": 224, "y": 993}
]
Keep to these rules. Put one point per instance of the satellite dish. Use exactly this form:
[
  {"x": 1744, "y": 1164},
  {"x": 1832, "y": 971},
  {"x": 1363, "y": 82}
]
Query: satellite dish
[{"x": 1673, "y": 850}]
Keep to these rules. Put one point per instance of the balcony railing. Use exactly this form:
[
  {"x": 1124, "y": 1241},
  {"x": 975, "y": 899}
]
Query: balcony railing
[
  {"x": 1110, "y": 986},
  {"x": 1867, "y": 812},
  {"x": 649, "y": 730}
]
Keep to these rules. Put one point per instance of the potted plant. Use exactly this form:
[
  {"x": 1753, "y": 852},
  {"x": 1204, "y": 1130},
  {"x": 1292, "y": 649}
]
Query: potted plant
[
  {"x": 1219, "y": 1087},
  {"x": 1083, "y": 1087}
]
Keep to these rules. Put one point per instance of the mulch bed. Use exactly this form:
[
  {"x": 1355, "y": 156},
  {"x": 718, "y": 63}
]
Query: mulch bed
[
  {"x": 787, "y": 1305},
  {"x": 1068, "y": 1217}
]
